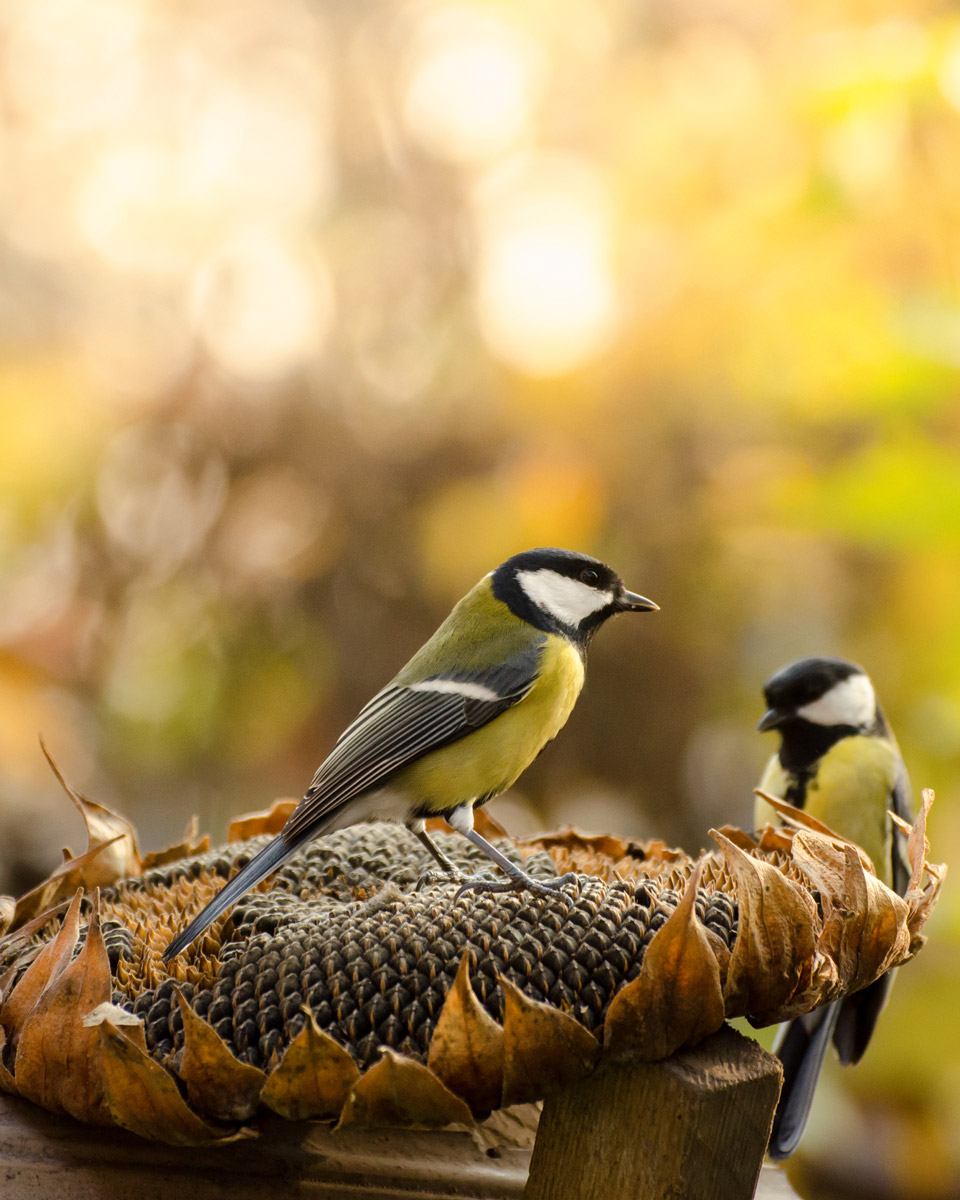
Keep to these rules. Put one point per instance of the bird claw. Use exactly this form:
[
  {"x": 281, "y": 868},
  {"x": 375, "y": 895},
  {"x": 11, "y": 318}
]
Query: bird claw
[
  {"x": 436, "y": 875},
  {"x": 525, "y": 883}
]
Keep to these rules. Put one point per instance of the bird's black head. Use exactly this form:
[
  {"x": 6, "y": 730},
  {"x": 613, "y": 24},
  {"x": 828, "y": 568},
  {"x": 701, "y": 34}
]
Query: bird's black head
[
  {"x": 814, "y": 702},
  {"x": 562, "y": 592}
]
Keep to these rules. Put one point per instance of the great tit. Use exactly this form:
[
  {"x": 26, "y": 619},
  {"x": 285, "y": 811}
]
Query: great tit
[
  {"x": 839, "y": 761},
  {"x": 468, "y": 713}
]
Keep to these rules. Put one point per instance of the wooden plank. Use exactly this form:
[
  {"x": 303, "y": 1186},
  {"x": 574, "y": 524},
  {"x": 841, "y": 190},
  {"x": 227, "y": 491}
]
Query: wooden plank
[
  {"x": 44, "y": 1157},
  {"x": 694, "y": 1127}
]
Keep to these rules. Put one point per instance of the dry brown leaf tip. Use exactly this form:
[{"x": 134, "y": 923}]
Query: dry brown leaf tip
[
  {"x": 399, "y": 1091},
  {"x": 218, "y": 1085},
  {"x": 191, "y": 843},
  {"x": 7, "y": 1082},
  {"x": 56, "y": 1062},
  {"x": 313, "y": 1079},
  {"x": 111, "y": 854},
  {"x": 926, "y": 878},
  {"x": 864, "y": 922},
  {"x": 21, "y": 998},
  {"x": 105, "y": 828},
  {"x": 773, "y": 957},
  {"x": 8, "y": 906},
  {"x": 466, "y": 1050},
  {"x": 543, "y": 1048},
  {"x": 677, "y": 999},
  {"x": 270, "y": 821},
  {"x": 142, "y": 1097}
]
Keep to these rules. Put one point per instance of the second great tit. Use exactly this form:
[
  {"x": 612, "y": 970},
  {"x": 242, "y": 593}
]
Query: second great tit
[
  {"x": 468, "y": 713},
  {"x": 839, "y": 761}
]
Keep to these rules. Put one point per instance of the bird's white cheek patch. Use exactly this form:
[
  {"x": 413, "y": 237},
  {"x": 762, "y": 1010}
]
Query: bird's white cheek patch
[
  {"x": 566, "y": 599},
  {"x": 850, "y": 702}
]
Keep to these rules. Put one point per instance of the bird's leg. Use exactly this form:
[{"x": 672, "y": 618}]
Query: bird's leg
[
  {"x": 450, "y": 869},
  {"x": 461, "y": 819}
]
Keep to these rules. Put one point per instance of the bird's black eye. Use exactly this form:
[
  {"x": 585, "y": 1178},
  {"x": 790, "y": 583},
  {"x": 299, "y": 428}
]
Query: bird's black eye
[{"x": 589, "y": 576}]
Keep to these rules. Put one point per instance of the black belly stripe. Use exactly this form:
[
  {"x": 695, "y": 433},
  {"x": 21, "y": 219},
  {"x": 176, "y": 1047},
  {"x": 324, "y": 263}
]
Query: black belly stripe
[{"x": 797, "y": 788}]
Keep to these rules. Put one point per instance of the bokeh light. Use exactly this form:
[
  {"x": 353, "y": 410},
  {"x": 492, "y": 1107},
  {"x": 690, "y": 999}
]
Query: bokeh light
[
  {"x": 473, "y": 80},
  {"x": 262, "y": 307},
  {"x": 546, "y": 293}
]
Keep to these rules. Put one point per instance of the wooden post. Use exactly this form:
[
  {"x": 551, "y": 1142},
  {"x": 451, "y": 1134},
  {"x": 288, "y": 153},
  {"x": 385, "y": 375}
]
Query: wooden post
[{"x": 693, "y": 1127}]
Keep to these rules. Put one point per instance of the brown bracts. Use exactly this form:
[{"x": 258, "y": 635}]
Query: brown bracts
[{"x": 341, "y": 990}]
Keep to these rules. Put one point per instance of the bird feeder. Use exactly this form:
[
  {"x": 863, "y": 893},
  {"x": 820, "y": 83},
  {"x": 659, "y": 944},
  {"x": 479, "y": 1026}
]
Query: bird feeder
[{"x": 342, "y": 991}]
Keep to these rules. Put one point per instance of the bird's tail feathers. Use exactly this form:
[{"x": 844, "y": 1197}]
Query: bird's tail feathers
[
  {"x": 858, "y": 1017},
  {"x": 259, "y": 867},
  {"x": 801, "y": 1050}
]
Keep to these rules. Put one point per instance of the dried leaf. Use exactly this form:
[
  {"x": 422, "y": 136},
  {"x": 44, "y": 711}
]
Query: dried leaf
[
  {"x": 920, "y": 899},
  {"x": 218, "y": 1085},
  {"x": 251, "y": 825},
  {"x": 721, "y": 954},
  {"x": 7, "y": 1082},
  {"x": 400, "y": 1091},
  {"x": 47, "y": 965},
  {"x": 918, "y": 847},
  {"x": 143, "y": 1098},
  {"x": 676, "y": 1000},
  {"x": 798, "y": 818},
  {"x": 772, "y": 837},
  {"x": 864, "y": 922},
  {"x": 60, "y": 883},
  {"x": 22, "y": 936},
  {"x": 571, "y": 840},
  {"x": 104, "y": 828},
  {"x": 119, "y": 1018},
  {"x": 739, "y": 837},
  {"x": 189, "y": 846},
  {"x": 57, "y": 1063},
  {"x": 466, "y": 1049},
  {"x": 607, "y": 856},
  {"x": 543, "y": 1048},
  {"x": 313, "y": 1079},
  {"x": 7, "y": 980},
  {"x": 774, "y": 955},
  {"x": 8, "y": 906}
]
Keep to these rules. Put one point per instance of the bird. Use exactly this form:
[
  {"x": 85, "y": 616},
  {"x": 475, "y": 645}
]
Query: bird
[
  {"x": 839, "y": 761},
  {"x": 460, "y": 722}
]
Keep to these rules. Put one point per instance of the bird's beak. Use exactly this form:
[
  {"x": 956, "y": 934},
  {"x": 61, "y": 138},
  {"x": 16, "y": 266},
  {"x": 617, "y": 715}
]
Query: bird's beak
[
  {"x": 631, "y": 602},
  {"x": 771, "y": 719}
]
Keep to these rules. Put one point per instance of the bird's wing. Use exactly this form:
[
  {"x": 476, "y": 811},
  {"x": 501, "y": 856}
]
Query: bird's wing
[
  {"x": 860, "y": 1012},
  {"x": 401, "y": 724},
  {"x": 902, "y": 804}
]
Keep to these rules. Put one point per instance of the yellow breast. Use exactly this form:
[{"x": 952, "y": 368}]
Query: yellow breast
[
  {"x": 486, "y": 762},
  {"x": 850, "y": 792}
]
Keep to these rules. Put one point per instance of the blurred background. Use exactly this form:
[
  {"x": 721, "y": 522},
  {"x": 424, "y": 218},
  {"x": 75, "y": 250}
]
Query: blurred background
[{"x": 311, "y": 312}]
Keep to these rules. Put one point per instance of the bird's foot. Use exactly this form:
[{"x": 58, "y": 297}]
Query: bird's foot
[
  {"x": 437, "y": 875},
  {"x": 518, "y": 883}
]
